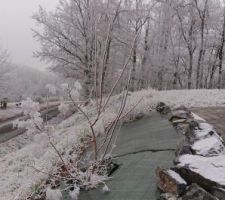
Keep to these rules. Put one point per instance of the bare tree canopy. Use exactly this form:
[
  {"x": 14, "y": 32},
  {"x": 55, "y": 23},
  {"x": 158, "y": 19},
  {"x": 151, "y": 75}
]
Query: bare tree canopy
[
  {"x": 179, "y": 43},
  {"x": 4, "y": 57}
]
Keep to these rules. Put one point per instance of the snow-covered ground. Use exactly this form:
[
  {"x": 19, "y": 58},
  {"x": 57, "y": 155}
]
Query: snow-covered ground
[
  {"x": 10, "y": 112},
  {"x": 13, "y": 111},
  {"x": 17, "y": 174}
]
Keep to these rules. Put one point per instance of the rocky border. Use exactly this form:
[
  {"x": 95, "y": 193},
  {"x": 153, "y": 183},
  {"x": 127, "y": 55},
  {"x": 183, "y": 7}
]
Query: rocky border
[{"x": 184, "y": 181}]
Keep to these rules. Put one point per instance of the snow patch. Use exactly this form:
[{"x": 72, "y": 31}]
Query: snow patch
[
  {"x": 176, "y": 176},
  {"x": 197, "y": 118},
  {"x": 208, "y": 147}
]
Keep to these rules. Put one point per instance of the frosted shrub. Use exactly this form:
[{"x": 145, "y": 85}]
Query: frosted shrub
[
  {"x": 63, "y": 108},
  {"x": 34, "y": 122},
  {"x": 64, "y": 86},
  {"x": 77, "y": 86},
  {"x": 51, "y": 89},
  {"x": 75, "y": 95},
  {"x": 75, "y": 91},
  {"x": 29, "y": 107}
]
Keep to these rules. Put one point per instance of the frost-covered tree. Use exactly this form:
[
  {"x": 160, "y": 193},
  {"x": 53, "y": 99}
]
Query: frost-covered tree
[
  {"x": 180, "y": 44},
  {"x": 34, "y": 122},
  {"x": 4, "y": 70},
  {"x": 90, "y": 40}
]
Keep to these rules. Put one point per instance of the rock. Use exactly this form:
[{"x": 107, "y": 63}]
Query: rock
[
  {"x": 183, "y": 148},
  {"x": 166, "y": 110},
  {"x": 175, "y": 122},
  {"x": 194, "y": 177},
  {"x": 139, "y": 116},
  {"x": 193, "y": 124},
  {"x": 170, "y": 182},
  {"x": 179, "y": 114},
  {"x": 195, "y": 192},
  {"x": 219, "y": 193},
  {"x": 160, "y": 106},
  {"x": 168, "y": 196},
  {"x": 163, "y": 108}
]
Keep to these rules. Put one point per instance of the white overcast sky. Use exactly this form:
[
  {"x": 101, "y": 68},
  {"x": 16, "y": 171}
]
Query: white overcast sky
[{"x": 15, "y": 29}]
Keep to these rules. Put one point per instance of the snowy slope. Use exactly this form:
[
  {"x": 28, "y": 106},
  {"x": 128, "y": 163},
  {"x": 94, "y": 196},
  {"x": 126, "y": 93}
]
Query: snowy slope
[{"x": 16, "y": 172}]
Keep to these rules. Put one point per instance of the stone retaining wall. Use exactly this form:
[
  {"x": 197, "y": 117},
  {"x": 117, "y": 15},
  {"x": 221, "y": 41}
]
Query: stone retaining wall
[{"x": 199, "y": 170}]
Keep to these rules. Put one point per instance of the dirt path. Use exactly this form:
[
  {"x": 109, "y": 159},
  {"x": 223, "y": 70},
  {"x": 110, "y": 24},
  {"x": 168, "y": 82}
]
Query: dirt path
[{"x": 214, "y": 116}]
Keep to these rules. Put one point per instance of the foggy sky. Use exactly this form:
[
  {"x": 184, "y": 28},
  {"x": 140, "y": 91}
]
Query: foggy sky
[{"x": 15, "y": 29}]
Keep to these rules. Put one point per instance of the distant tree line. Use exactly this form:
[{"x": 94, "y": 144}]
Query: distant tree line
[{"x": 171, "y": 44}]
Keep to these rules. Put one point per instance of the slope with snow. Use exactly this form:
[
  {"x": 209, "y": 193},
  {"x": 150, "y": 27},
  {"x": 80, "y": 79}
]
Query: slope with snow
[{"x": 17, "y": 173}]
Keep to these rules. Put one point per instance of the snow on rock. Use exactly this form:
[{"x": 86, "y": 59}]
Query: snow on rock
[
  {"x": 208, "y": 164},
  {"x": 169, "y": 181},
  {"x": 208, "y": 142},
  {"x": 203, "y": 133},
  {"x": 176, "y": 176},
  {"x": 197, "y": 118},
  {"x": 210, "y": 146},
  {"x": 212, "y": 168}
]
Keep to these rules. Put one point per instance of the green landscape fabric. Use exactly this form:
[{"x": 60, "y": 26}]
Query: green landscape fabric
[{"x": 135, "y": 178}]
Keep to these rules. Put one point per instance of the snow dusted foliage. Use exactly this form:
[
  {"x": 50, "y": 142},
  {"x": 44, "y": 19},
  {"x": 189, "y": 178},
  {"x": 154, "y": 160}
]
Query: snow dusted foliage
[
  {"x": 76, "y": 90},
  {"x": 64, "y": 86},
  {"x": 41, "y": 141},
  {"x": 77, "y": 86},
  {"x": 95, "y": 180},
  {"x": 63, "y": 108},
  {"x": 74, "y": 193},
  {"x": 53, "y": 194},
  {"x": 51, "y": 89},
  {"x": 73, "y": 90},
  {"x": 75, "y": 95},
  {"x": 30, "y": 107},
  {"x": 34, "y": 121}
]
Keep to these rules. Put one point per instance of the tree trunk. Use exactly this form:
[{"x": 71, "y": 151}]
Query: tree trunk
[
  {"x": 221, "y": 54},
  {"x": 87, "y": 87},
  {"x": 144, "y": 59},
  {"x": 134, "y": 64},
  {"x": 190, "y": 70}
]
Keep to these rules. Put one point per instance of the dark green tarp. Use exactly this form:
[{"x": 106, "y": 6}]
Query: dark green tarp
[{"x": 135, "y": 178}]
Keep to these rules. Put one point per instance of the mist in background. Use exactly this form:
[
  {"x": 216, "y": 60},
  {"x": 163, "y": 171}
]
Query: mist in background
[{"x": 15, "y": 29}]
